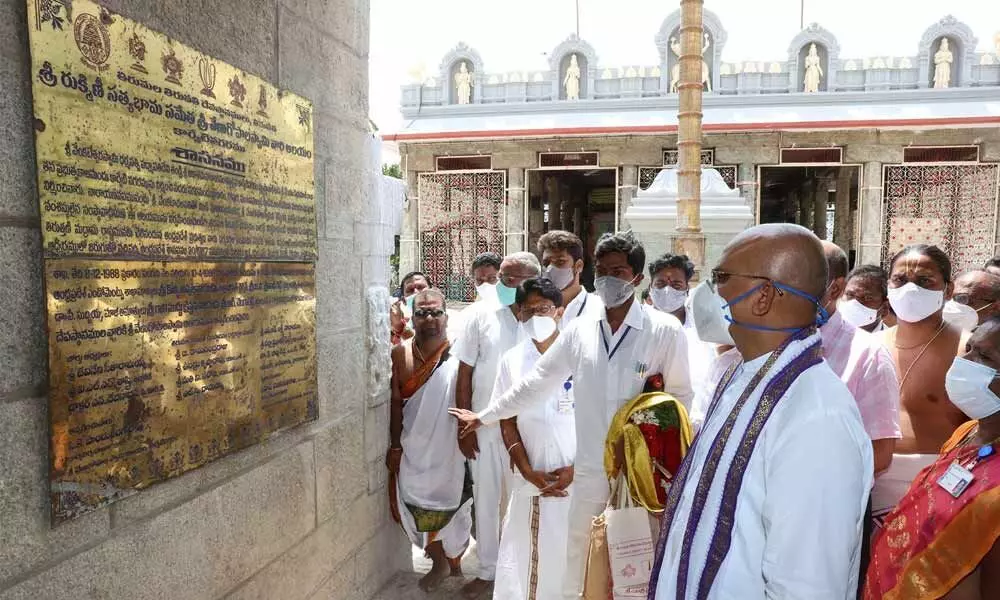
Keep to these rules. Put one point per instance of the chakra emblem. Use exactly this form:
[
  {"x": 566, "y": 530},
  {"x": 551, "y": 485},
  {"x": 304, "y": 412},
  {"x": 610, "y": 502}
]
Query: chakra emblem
[
  {"x": 137, "y": 49},
  {"x": 173, "y": 67},
  {"x": 93, "y": 41},
  {"x": 238, "y": 91}
]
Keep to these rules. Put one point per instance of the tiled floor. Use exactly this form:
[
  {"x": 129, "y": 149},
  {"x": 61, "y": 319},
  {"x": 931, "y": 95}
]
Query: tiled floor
[{"x": 404, "y": 586}]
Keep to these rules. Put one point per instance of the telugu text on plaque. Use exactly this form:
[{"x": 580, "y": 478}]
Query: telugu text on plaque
[{"x": 179, "y": 239}]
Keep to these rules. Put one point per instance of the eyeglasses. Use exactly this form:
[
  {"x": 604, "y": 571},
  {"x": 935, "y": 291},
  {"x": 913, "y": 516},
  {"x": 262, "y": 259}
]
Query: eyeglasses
[
  {"x": 719, "y": 277},
  {"x": 539, "y": 311},
  {"x": 428, "y": 313}
]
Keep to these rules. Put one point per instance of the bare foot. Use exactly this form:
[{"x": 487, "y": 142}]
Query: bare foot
[
  {"x": 439, "y": 570},
  {"x": 456, "y": 566},
  {"x": 477, "y": 588},
  {"x": 431, "y": 581}
]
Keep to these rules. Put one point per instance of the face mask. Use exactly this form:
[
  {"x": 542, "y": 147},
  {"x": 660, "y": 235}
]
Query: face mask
[
  {"x": 968, "y": 386},
  {"x": 706, "y": 311},
  {"x": 913, "y": 304},
  {"x": 487, "y": 292},
  {"x": 961, "y": 315},
  {"x": 613, "y": 291},
  {"x": 857, "y": 314},
  {"x": 821, "y": 315},
  {"x": 667, "y": 298},
  {"x": 540, "y": 328},
  {"x": 506, "y": 295},
  {"x": 563, "y": 278}
]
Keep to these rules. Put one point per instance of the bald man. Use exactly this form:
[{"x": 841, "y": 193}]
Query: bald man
[
  {"x": 776, "y": 484},
  {"x": 980, "y": 291}
]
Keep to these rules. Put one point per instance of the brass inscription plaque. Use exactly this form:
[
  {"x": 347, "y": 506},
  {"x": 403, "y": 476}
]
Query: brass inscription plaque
[
  {"x": 160, "y": 367},
  {"x": 179, "y": 239}
]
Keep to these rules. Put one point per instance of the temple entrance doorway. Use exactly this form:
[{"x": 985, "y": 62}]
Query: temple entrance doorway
[
  {"x": 822, "y": 198},
  {"x": 581, "y": 200}
]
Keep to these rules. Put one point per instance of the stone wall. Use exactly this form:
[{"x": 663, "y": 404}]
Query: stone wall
[
  {"x": 870, "y": 148},
  {"x": 301, "y": 516}
]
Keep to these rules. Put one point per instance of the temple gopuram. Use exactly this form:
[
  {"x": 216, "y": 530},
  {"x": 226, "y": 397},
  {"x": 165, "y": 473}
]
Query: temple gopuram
[{"x": 870, "y": 153}]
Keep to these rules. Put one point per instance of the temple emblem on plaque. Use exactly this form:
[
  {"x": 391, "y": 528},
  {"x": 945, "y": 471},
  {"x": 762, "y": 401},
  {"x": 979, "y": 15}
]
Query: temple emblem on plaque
[
  {"x": 92, "y": 39},
  {"x": 173, "y": 67},
  {"x": 304, "y": 116},
  {"x": 206, "y": 70},
  {"x": 262, "y": 102},
  {"x": 238, "y": 91},
  {"x": 137, "y": 49}
]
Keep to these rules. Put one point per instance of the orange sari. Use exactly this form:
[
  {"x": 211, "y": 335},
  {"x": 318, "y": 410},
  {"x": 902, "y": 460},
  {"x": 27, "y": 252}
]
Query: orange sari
[{"x": 932, "y": 541}]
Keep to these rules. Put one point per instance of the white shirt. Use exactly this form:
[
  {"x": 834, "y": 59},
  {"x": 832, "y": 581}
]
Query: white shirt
[
  {"x": 585, "y": 305},
  {"x": 798, "y": 520},
  {"x": 548, "y": 428},
  {"x": 648, "y": 342},
  {"x": 487, "y": 333}
]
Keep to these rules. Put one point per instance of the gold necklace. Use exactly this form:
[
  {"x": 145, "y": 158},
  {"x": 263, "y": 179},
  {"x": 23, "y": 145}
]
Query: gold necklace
[
  {"x": 896, "y": 337},
  {"x": 919, "y": 355}
]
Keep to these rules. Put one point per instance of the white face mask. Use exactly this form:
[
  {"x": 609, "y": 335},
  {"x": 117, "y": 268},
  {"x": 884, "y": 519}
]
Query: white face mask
[
  {"x": 962, "y": 316},
  {"x": 487, "y": 292},
  {"x": 667, "y": 298},
  {"x": 856, "y": 314},
  {"x": 968, "y": 386},
  {"x": 540, "y": 328},
  {"x": 709, "y": 320},
  {"x": 563, "y": 278},
  {"x": 913, "y": 304},
  {"x": 613, "y": 291}
]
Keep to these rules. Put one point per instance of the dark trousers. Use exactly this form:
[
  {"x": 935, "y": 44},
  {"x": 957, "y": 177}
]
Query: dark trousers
[{"x": 866, "y": 545}]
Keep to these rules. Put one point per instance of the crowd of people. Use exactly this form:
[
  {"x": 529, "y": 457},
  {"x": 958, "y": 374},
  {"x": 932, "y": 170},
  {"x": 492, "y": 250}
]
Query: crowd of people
[{"x": 845, "y": 422}]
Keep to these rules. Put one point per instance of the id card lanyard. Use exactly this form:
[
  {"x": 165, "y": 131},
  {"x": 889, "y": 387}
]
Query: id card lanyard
[{"x": 959, "y": 475}]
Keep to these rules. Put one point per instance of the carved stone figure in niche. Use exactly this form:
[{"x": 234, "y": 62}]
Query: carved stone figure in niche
[
  {"x": 813, "y": 71},
  {"x": 572, "y": 79},
  {"x": 463, "y": 84},
  {"x": 675, "y": 72},
  {"x": 942, "y": 65}
]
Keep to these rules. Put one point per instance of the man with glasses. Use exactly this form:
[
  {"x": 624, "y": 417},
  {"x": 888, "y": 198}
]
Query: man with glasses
[
  {"x": 980, "y": 291},
  {"x": 428, "y": 478},
  {"x": 487, "y": 334},
  {"x": 607, "y": 362},
  {"x": 541, "y": 442},
  {"x": 776, "y": 484}
]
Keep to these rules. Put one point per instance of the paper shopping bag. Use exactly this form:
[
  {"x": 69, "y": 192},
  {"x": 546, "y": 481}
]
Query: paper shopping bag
[
  {"x": 597, "y": 578},
  {"x": 630, "y": 547}
]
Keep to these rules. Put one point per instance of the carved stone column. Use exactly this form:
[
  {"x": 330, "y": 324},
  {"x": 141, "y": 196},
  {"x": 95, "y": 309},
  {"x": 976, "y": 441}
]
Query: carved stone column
[
  {"x": 515, "y": 210},
  {"x": 807, "y": 199},
  {"x": 819, "y": 208},
  {"x": 870, "y": 215},
  {"x": 409, "y": 236},
  {"x": 843, "y": 232},
  {"x": 627, "y": 188},
  {"x": 553, "y": 194}
]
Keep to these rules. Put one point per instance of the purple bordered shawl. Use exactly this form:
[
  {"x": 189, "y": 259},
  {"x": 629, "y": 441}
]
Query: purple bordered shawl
[{"x": 722, "y": 535}]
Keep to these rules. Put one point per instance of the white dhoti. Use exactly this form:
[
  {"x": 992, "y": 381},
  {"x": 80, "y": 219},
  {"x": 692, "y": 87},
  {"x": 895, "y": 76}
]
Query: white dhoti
[
  {"x": 432, "y": 470},
  {"x": 488, "y": 488},
  {"x": 891, "y": 486}
]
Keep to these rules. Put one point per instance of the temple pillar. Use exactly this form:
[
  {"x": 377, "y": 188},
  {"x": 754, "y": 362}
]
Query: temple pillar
[
  {"x": 746, "y": 183},
  {"x": 819, "y": 208},
  {"x": 515, "y": 233},
  {"x": 553, "y": 195},
  {"x": 870, "y": 215},
  {"x": 627, "y": 187},
  {"x": 842, "y": 230},
  {"x": 409, "y": 235},
  {"x": 807, "y": 199}
]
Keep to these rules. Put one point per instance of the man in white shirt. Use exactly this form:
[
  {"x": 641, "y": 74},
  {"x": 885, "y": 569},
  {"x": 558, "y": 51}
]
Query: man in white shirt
[
  {"x": 609, "y": 361},
  {"x": 488, "y": 333},
  {"x": 541, "y": 442},
  {"x": 670, "y": 279},
  {"x": 770, "y": 500},
  {"x": 562, "y": 260}
]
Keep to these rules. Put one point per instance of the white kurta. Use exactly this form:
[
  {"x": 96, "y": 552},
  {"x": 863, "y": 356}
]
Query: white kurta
[
  {"x": 585, "y": 306},
  {"x": 798, "y": 521},
  {"x": 533, "y": 543},
  {"x": 487, "y": 334},
  {"x": 432, "y": 469},
  {"x": 608, "y": 370}
]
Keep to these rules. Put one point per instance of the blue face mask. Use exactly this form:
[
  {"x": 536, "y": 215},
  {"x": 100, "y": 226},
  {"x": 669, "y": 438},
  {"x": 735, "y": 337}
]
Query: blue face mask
[
  {"x": 821, "y": 315},
  {"x": 505, "y": 294}
]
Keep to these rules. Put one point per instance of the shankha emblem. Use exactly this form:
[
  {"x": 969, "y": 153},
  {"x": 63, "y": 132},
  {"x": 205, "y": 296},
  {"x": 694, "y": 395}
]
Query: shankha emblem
[
  {"x": 173, "y": 67},
  {"x": 305, "y": 116},
  {"x": 92, "y": 39},
  {"x": 238, "y": 91}
]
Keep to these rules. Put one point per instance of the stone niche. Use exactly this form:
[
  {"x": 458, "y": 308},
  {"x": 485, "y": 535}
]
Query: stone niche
[
  {"x": 829, "y": 57},
  {"x": 712, "y": 43},
  {"x": 452, "y": 64},
  {"x": 560, "y": 58},
  {"x": 962, "y": 43}
]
